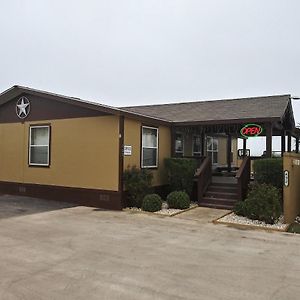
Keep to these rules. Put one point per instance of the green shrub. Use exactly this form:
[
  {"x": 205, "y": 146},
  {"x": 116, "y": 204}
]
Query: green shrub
[
  {"x": 269, "y": 171},
  {"x": 152, "y": 203},
  {"x": 178, "y": 199},
  {"x": 137, "y": 184},
  {"x": 239, "y": 208},
  {"x": 181, "y": 172},
  {"x": 262, "y": 203}
]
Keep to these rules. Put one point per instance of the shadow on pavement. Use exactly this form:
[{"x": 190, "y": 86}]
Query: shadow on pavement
[{"x": 12, "y": 206}]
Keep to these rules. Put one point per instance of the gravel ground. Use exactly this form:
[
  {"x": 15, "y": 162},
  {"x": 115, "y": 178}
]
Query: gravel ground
[
  {"x": 166, "y": 211},
  {"x": 235, "y": 219},
  {"x": 171, "y": 211}
]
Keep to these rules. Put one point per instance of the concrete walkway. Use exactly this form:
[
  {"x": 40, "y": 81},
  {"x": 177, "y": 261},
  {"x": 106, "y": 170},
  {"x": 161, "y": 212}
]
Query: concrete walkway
[
  {"x": 83, "y": 253},
  {"x": 202, "y": 214}
]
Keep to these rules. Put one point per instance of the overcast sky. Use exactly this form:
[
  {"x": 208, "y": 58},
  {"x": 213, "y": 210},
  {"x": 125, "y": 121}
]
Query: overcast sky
[{"x": 125, "y": 52}]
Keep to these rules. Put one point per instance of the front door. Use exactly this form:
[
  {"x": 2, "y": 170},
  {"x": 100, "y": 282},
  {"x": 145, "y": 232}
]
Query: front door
[{"x": 212, "y": 149}]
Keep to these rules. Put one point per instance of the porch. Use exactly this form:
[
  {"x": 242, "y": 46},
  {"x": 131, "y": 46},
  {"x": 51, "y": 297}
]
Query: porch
[
  {"x": 224, "y": 170},
  {"x": 196, "y": 126}
]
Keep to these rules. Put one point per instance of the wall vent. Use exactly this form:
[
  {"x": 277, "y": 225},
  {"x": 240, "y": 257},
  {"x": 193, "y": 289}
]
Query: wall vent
[
  {"x": 22, "y": 189},
  {"x": 104, "y": 198}
]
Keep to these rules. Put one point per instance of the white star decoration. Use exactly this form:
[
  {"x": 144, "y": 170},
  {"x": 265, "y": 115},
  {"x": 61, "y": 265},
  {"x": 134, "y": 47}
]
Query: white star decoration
[{"x": 23, "y": 107}]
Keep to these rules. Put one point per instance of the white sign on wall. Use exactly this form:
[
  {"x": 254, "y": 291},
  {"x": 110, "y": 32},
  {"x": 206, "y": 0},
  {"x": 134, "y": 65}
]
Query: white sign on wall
[
  {"x": 286, "y": 178},
  {"x": 296, "y": 162},
  {"x": 127, "y": 150}
]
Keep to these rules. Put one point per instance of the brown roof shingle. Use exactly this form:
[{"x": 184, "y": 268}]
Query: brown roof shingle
[
  {"x": 255, "y": 108},
  {"x": 217, "y": 110}
]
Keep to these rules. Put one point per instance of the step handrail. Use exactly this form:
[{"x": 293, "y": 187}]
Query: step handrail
[
  {"x": 243, "y": 178},
  {"x": 204, "y": 175}
]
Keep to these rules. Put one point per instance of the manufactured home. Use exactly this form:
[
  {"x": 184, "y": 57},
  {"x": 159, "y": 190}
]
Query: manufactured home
[{"x": 63, "y": 148}]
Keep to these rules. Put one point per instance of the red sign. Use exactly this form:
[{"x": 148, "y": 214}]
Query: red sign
[{"x": 251, "y": 130}]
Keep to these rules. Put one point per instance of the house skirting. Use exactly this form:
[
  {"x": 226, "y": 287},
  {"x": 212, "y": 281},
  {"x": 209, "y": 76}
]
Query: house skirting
[{"x": 88, "y": 197}]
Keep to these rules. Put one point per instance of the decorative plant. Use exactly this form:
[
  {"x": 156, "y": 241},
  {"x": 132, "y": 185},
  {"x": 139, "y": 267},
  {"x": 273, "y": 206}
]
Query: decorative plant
[
  {"x": 152, "y": 203},
  {"x": 137, "y": 184},
  {"x": 262, "y": 203},
  {"x": 178, "y": 199},
  {"x": 181, "y": 172},
  {"x": 269, "y": 171}
]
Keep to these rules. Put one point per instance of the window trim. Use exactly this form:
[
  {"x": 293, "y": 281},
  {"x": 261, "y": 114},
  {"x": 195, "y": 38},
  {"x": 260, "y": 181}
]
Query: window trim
[
  {"x": 179, "y": 152},
  {"x": 31, "y": 164},
  {"x": 193, "y": 143},
  {"x": 142, "y": 147}
]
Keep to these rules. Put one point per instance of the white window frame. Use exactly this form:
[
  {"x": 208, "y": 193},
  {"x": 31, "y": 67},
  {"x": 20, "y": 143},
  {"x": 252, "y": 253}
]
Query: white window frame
[
  {"x": 142, "y": 148},
  {"x": 32, "y": 146},
  {"x": 198, "y": 153},
  {"x": 180, "y": 152},
  {"x": 213, "y": 151}
]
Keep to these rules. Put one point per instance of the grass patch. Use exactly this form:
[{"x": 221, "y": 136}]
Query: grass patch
[{"x": 294, "y": 228}]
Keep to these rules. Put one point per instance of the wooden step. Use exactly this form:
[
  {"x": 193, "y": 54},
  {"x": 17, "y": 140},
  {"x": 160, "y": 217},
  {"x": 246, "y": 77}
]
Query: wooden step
[
  {"x": 221, "y": 195},
  {"x": 223, "y": 201},
  {"x": 217, "y": 206},
  {"x": 223, "y": 188},
  {"x": 229, "y": 184},
  {"x": 218, "y": 194}
]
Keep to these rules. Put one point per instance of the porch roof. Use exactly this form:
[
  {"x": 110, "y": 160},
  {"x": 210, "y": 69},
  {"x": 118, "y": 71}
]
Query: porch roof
[{"x": 267, "y": 108}]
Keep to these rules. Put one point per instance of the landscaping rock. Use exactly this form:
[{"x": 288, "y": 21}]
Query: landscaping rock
[{"x": 235, "y": 219}]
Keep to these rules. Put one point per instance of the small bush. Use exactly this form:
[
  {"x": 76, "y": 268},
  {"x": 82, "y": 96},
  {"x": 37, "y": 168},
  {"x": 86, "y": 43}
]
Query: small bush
[
  {"x": 152, "y": 203},
  {"x": 262, "y": 203},
  {"x": 181, "y": 172},
  {"x": 138, "y": 184},
  {"x": 239, "y": 208},
  {"x": 269, "y": 171},
  {"x": 178, "y": 199}
]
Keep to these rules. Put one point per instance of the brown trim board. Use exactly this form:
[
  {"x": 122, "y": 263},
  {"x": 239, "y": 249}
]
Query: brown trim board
[
  {"x": 83, "y": 196},
  {"x": 121, "y": 155},
  {"x": 44, "y": 109},
  {"x": 221, "y": 122}
]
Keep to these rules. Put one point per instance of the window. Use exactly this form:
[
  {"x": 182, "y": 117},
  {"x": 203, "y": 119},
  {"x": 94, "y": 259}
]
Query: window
[
  {"x": 179, "y": 143},
  {"x": 149, "y": 147},
  {"x": 39, "y": 145},
  {"x": 212, "y": 149},
  {"x": 196, "y": 145}
]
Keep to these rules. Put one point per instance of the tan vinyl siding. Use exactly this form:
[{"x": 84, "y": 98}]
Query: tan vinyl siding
[
  {"x": 132, "y": 137},
  {"x": 84, "y": 153}
]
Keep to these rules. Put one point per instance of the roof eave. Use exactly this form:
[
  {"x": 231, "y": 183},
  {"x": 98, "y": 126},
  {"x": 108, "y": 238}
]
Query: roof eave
[
  {"x": 17, "y": 90},
  {"x": 230, "y": 121}
]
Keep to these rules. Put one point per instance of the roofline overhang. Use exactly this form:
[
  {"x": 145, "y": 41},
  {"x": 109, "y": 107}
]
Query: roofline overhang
[
  {"x": 17, "y": 90},
  {"x": 289, "y": 110},
  {"x": 226, "y": 122}
]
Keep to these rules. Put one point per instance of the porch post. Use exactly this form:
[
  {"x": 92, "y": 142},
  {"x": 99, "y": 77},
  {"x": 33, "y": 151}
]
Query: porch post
[
  {"x": 173, "y": 133},
  {"x": 289, "y": 147},
  {"x": 244, "y": 147},
  {"x": 297, "y": 144},
  {"x": 202, "y": 143},
  {"x": 269, "y": 140},
  {"x": 282, "y": 142},
  {"x": 229, "y": 152}
]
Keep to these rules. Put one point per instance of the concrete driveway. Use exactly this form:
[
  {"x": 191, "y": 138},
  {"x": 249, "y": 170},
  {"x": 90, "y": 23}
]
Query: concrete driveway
[
  {"x": 67, "y": 252},
  {"x": 12, "y": 206}
]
